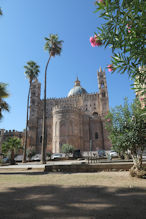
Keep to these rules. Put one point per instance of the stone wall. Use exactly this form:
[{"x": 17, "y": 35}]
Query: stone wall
[{"x": 5, "y": 134}]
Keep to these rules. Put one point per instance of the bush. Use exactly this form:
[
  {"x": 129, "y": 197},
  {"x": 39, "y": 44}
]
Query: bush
[
  {"x": 49, "y": 154},
  {"x": 67, "y": 149},
  {"x": 30, "y": 152}
]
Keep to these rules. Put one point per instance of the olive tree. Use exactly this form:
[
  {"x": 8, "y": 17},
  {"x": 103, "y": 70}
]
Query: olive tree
[{"x": 127, "y": 131}]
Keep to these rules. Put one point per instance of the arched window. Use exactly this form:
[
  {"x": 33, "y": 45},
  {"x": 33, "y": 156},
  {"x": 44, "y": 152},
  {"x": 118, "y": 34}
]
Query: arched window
[
  {"x": 102, "y": 84},
  {"x": 33, "y": 102},
  {"x": 33, "y": 93},
  {"x": 103, "y": 94},
  {"x": 95, "y": 114},
  {"x": 63, "y": 130},
  {"x": 41, "y": 139},
  {"x": 96, "y": 135}
]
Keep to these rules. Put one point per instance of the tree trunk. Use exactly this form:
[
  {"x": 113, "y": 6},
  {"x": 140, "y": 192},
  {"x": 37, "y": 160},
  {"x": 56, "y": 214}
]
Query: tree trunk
[
  {"x": 26, "y": 133},
  {"x": 137, "y": 161},
  {"x": 137, "y": 168},
  {"x": 44, "y": 134},
  {"x": 12, "y": 157}
]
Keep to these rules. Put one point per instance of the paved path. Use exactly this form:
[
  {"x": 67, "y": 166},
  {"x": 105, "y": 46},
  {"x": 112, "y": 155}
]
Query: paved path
[{"x": 66, "y": 166}]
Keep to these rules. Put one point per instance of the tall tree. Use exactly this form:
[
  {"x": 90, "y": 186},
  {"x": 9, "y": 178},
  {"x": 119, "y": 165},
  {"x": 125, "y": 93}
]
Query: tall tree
[
  {"x": 3, "y": 94},
  {"x": 127, "y": 131},
  {"x": 53, "y": 46},
  {"x": 123, "y": 29},
  {"x": 11, "y": 145},
  {"x": 1, "y": 11},
  {"x": 32, "y": 71}
]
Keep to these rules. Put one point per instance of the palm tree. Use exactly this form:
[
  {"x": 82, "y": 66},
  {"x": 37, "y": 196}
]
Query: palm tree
[
  {"x": 32, "y": 70},
  {"x": 11, "y": 145},
  {"x": 1, "y": 11},
  {"x": 3, "y": 94},
  {"x": 54, "y": 47}
]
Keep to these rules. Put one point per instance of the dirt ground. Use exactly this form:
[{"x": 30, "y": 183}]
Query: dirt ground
[{"x": 102, "y": 195}]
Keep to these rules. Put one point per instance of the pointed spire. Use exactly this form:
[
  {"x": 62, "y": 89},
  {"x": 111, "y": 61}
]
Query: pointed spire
[
  {"x": 77, "y": 82},
  {"x": 100, "y": 69}
]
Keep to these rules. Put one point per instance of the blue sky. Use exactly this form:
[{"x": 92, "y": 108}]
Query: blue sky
[{"x": 24, "y": 25}]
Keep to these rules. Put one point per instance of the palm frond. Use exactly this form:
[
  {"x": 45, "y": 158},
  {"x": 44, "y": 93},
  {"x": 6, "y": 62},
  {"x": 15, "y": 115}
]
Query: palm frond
[
  {"x": 32, "y": 70},
  {"x": 3, "y": 107},
  {"x": 3, "y": 91},
  {"x": 53, "y": 45},
  {"x": 1, "y": 11}
]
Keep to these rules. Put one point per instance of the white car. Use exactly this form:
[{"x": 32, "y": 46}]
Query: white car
[
  {"x": 54, "y": 156},
  {"x": 113, "y": 154},
  {"x": 18, "y": 158},
  {"x": 36, "y": 157}
]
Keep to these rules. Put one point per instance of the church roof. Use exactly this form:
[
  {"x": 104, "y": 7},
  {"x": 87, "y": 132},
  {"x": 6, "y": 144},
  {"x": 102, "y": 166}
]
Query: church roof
[{"x": 77, "y": 89}]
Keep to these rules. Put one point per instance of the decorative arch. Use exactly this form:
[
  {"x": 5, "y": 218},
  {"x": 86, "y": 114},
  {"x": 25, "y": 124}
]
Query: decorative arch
[
  {"x": 95, "y": 114},
  {"x": 63, "y": 129},
  {"x": 102, "y": 84}
]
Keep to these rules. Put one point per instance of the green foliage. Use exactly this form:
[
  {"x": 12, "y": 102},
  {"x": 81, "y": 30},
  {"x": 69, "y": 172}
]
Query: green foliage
[
  {"x": 124, "y": 31},
  {"x": 127, "y": 128},
  {"x": 30, "y": 152},
  {"x": 53, "y": 45},
  {"x": 3, "y": 94},
  {"x": 11, "y": 145},
  {"x": 49, "y": 154},
  {"x": 1, "y": 11},
  {"x": 67, "y": 148},
  {"x": 32, "y": 70}
]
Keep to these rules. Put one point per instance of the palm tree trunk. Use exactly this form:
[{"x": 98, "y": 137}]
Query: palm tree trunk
[
  {"x": 44, "y": 134},
  {"x": 12, "y": 157},
  {"x": 26, "y": 133}
]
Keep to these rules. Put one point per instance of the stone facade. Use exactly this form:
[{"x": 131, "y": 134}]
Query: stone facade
[{"x": 77, "y": 119}]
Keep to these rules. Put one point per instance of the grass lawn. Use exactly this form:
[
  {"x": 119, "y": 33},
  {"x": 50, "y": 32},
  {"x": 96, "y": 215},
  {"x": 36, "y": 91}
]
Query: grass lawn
[{"x": 100, "y": 195}]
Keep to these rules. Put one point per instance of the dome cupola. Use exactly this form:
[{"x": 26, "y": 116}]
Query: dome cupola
[{"x": 77, "y": 89}]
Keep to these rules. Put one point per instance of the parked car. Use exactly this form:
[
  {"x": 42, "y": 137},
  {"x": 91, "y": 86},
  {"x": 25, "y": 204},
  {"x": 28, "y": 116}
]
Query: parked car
[
  {"x": 36, "y": 157},
  {"x": 101, "y": 153},
  {"x": 113, "y": 154},
  {"x": 77, "y": 154},
  {"x": 5, "y": 160},
  {"x": 18, "y": 158},
  {"x": 54, "y": 156}
]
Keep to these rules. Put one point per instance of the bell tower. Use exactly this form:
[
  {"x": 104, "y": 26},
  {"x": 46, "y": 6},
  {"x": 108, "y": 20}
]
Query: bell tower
[{"x": 103, "y": 92}]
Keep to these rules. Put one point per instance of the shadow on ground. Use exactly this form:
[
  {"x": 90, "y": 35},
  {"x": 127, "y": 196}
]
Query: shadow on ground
[
  {"x": 23, "y": 173},
  {"x": 55, "y": 201}
]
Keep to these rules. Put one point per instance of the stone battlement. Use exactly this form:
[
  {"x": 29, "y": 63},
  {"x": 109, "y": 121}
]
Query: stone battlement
[
  {"x": 8, "y": 132},
  {"x": 65, "y": 108},
  {"x": 70, "y": 98}
]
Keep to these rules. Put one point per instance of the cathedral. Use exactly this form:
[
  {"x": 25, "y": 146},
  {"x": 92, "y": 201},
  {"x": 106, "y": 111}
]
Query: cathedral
[{"x": 77, "y": 119}]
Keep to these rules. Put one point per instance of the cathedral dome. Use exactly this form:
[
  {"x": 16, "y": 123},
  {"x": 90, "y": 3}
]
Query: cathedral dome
[{"x": 77, "y": 89}]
